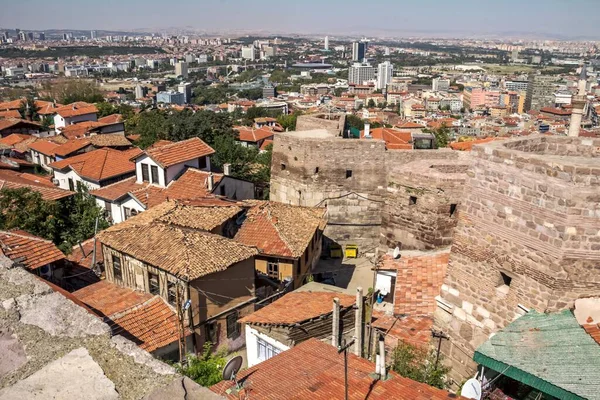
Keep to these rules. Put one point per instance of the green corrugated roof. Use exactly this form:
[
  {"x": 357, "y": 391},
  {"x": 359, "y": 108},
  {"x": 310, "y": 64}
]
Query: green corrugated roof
[{"x": 550, "y": 352}]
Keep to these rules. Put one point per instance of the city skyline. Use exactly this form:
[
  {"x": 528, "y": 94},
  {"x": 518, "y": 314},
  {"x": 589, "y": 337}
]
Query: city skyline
[{"x": 463, "y": 18}]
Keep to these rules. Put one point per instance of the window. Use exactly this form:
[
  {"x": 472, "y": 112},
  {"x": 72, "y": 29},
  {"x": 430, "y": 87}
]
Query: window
[
  {"x": 145, "y": 173},
  {"x": 222, "y": 189},
  {"x": 130, "y": 212},
  {"x": 117, "y": 271},
  {"x": 71, "y": 185},
  {"x": 210, "y": 330},
  {"x": 154, "y": 170},
  {"x": 317, "y": 170},
  {"x": 412, "y": 201},
  {"x": 282, "y": 166},
  {"x": 153, "y": 283},
  {"x": 505, "y": 279},
  {"x": 348, "y": 173},
  {"x": 273, "y": 269},
  {"x": 266, "y": 350},
  {"x": 233, "y": 328},
  {"x": 108, "y": 211},
  {"x": 452, "y": 209},
  {"x": 171, "y": 293},
  {"x": 202, "y": 164}
]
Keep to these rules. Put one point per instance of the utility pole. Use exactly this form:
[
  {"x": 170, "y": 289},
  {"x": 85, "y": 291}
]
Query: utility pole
[
  {"x": 441, "y": 335},
  {"x": 344, "y": 349},
  {"x": 180, "y": 327}
]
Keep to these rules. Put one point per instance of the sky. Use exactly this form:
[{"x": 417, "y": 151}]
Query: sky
[{"x": 561, "y": 18}]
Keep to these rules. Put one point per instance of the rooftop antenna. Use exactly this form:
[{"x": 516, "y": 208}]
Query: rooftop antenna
[{"x": 230, "y": 371}]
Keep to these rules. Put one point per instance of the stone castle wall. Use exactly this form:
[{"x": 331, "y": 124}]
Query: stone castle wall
[
  {"x": 528, "y": 237},
  {"x": 314, "y": 171},
  {"x": 335, "y": 125}
]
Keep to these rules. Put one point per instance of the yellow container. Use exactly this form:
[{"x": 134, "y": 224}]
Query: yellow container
[{"x": 351, "y": 251}]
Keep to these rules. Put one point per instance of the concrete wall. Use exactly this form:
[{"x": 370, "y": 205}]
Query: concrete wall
[{"x": 531, "y": 212}]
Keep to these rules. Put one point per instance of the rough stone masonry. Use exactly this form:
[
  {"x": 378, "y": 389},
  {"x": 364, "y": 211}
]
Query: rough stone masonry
[{"x": 528, "y": 237}]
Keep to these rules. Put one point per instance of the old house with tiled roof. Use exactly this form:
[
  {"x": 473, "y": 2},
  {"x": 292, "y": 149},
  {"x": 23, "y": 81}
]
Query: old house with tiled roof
[
  {"x": 17, "y": 125},
  {"x": 74, "y": 113},
  {"x": 315, "y": 370},
  {"x": 288, "y": 238},
  {"x": 36, "y": 183},
  {"x": 296, "y": 317},
  {"x": 145, "y": 319},
  {"x": 33, "y": 253},
  {"x": 253, "y": 137},
  {"x": 94, "y": 169},
  {"x": 180, "y": 251}
]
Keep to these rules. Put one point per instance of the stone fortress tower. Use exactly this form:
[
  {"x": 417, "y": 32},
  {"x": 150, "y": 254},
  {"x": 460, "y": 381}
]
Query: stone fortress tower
[{"x": 528, "y": 237}]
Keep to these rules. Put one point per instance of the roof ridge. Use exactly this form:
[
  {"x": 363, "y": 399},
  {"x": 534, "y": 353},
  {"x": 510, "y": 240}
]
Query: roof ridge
[
  {"x": 32, "y": 237},
  {"x": 279, "y": 233}
]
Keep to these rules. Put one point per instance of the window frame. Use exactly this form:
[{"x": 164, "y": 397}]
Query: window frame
[
  {"x": 71, "y": 184},
  {"x": 202, "y": 163},
  {"x": 117, "y": 266},
  {"x": 154, "y": 174},
  {"x": 348, "y": 173},
  {"x": 269, "y": 351},
  {"x": 171, "y": 293},
  {"x": 233, "y": 326},
  {"x": 150, "y": 283},
  {"x": 145, "y": 173},
  {"x": 273, "y": 269}
]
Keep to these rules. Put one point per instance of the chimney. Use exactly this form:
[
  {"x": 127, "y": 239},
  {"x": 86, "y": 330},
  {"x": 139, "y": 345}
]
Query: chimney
[
  {"x": 227, "y": 169},
  {"x": 367, "y": 130},
  {"x": 335, "y": 325},
  {"x": 358, "y": 319},
  {"x": 381, "y": 359},
  {"x": 210, "y": 182}
]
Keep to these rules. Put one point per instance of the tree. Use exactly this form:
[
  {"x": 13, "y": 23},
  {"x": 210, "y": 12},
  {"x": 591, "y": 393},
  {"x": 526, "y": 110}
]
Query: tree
[
  {"x": 288, "y": 122},
  {"x": 352, "y": 121},
  {"x": 371, "y": 103},
  {"x": 70, "y": 90},
  {"x": 442, "y": 136},
  {"x": 420, "y": 364},
  {"x": 206, "y": 369},
  {"x": 150, "y": 125},
  {"x": 28, "y": 109},
  {"x": 229, "y": 151},
  {"x": 105, "y": 109},
  {"x": 82, "y": 211}
]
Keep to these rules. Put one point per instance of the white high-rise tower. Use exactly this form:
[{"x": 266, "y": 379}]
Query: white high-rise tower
[
  {"x": 385, "y": 70},
  {"x": 326, "y": 42},
  {"x": 578, "y": 102}
]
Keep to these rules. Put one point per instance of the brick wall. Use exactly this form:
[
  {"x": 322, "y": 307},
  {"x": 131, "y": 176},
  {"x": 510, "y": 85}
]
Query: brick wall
[{"x": 528, "y": 237}]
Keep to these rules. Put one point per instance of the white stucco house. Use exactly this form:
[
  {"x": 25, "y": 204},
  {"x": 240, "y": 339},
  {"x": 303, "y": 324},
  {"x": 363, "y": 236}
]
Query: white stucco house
[
  {"x": 94, "y": 169},
  {"x": 74, "y": 113},
  {"x": 42, "y": 153}
]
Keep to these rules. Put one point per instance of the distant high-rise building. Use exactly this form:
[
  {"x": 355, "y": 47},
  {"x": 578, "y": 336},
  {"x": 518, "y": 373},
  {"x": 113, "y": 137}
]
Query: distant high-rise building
[
  {"x": 268, "y": 91},
  {"x": 186, "y": 89},
  {"x": 359, "y": 50},
  {"x": 42, "y": 36},
  {"x": 387, "y": 51},
  {"x": 93, "y": 34},
  {"x": 170, "y": 98},
  {"x": 140, "y": 91},
  {"x": 440, "y": 85},
  {"x": 22, "y": 36},
  {"x": 248, "y": 53},
  {"x": 65, "y": 36},
  {"x": 17, "y": 31},
  {"x": 181, "y": 69},
  {"x": 326, "y": 42},
  {"x": 360, "y": 72},
  {"x": 516, "y": 86},
  {"x": 30, "y": 36},
  {"x": 385, "y": 71},
  {"x": 540, "y": 92}
]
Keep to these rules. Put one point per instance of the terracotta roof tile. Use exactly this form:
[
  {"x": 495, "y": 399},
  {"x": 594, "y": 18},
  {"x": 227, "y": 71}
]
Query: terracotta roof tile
[
  {"x": 70, "y": 147},
  {"x": 80, "y": 129},
  {"x": 7, "y": 123},
  {"x": 83, "y": 255},
  {"x": 394, "y": 139},
  {"x": 297, "y": 307},
  {"x": 11, "y": 105},
  {"x": 44, "y": 147},
  {"x": 418, "y": 282},
  {"x": 179, "y": 152},
  {"x": 111, "y": 119},
  {"x": 116, "y": 191},
  {"x": 98, "y": 165},
  {"x": 108, "y": 299},
  {"x": 149, "y": 237},
  {"x": 75, "y": 109},
  {"x": 16, "y": 180},
  {"x": 160, "y": 143},
  {"x": 468, "y": 145},
  {"x": 412, "y": 330},
  {"x": 280, "y": 229},
  {"x": 109, "y": 140},
  {"x": 10, "y": 114},
  {"x": 265, "y": 144},
  {"x": 254, "y": 135},
  {"x": 192, "y": 184},
  {"x": 34, "y": 252},
  {"x": 593, "y": 330},
  {"x": 13, "y": 139},
  {"x": 314, "y": 370}
]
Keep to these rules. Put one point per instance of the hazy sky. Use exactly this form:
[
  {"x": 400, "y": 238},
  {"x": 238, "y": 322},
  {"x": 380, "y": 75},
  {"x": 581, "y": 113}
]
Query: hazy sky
[{"x": 561, "y": 17}]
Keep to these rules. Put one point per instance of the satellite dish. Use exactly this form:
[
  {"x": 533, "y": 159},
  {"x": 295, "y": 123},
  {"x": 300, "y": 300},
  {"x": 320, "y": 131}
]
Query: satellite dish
[
  {"x": 232, "y": 367},
  {"x": 396, "y": 254},
  {"x": 471, "y": 389}
]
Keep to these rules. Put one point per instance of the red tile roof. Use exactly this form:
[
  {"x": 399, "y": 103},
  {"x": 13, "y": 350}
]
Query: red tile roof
[
  {"x": 412, "y": 330},
  {"x": 12, "y": 122},
  {"x": 111, "y": 119},
  {"x": 296, "y": 307},
  {"x": 13, "y": 139},
  {"x": 97, "y": 165},
  {"x": 192, "y": 184},
  {"x": 254, "y": 135},
  {"x": 10, "y": 114},
  {"x": 32, "y": 251},
  {"x": 11, "y": 105},
  {"x": 83, "y": 255},
  {"x": 70, "y": 147},
  {"x": 593, "y": 330},
  {"x": 418, "y": 282},
  {"x": 80, "y": 129},
  {"x": 468, "y": 145},
  {"x": 107, "y": 298},
  {"x": 16, "y": 180},
  {"x": 279, "y": 229},
  {"x": 266, "y": 143},
  {"x": 314, "y": 370},
  {"x": 75, "y": 109},
  {"x": 43, "y": 146},
  {"x": 115, "y": 191},
  {"x": 394, "y": 139},
  {"x": 179, "y": 152}
]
